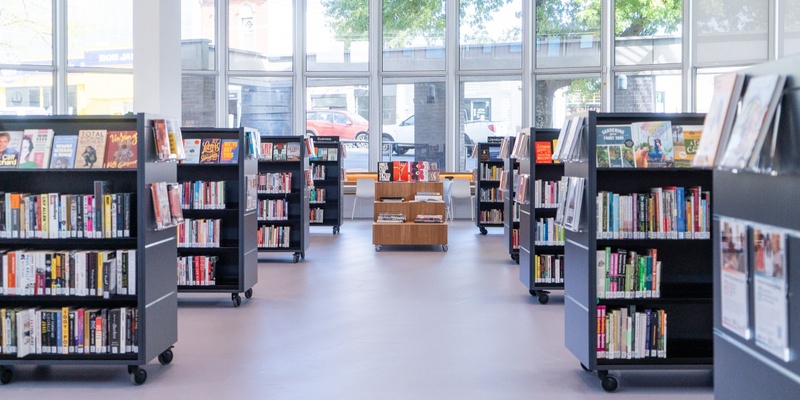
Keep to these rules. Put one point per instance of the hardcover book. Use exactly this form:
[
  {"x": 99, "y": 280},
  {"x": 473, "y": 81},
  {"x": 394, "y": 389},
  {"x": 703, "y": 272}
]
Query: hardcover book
[
  {"x": 230, "y": 151},
  {"x": 615, "y": 146},
  {"x": 293, "y": 151},
  {"x": 266, "y": 151},
  {"x": 91, "y": 148},
  {"x": 385, "y": 171},
  {"x": 35, "y": 149},
  {"x": 63, "y": 154},
  {"x": 279, "y": 151},
  {"x": 10, "y": 142},
  {"x": 210, "y": 150},
  {"x": 161, "y": 136},
  {"x": 175, "y": 139},
  {"x": 192, "y": 148},
  {"x": 687, "y": 138},
  {"x": 544, "y": 153},
  {"x": 653, "y": 144},
  {"x": 121, "y": 149},
  {"x": 719, "y": 119}
]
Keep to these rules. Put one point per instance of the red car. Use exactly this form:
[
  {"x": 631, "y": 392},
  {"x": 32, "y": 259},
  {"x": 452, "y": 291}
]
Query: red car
[{"x": 346, "y": 125}]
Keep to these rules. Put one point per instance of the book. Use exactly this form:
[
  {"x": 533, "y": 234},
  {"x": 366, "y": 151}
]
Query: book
[
  {"x": 121, "y": 149},
  {"x": 10, "y": 142},
  {"x": 266, "y": 151},
  {"x": 400, "y": 171},
  {"x": 685, "y": 141},
  {"x": 615, "y": 146},
  {"x": 544, "y": 153},
  {"x": 63, "y": 154},
  {"x": 175, "y": 195},
  {"x": 719, "y": 119},
  {"x": 35, "y": 149},
  {"x": 161, "y": 139},
  {"x": 752, "y": 123},
  {"x": 229, "y": 153},
  {"x": 385, "y": 171},
  {"x": 192, "y": 149},
  {"x": 175, "y": 139},
  {"x": 210, "y": 150},
  {"x": 293, "y": 151},
  {"x": 653, "y": 144},
  {"x": 91, "y": 148},
  {"x": 278, "y": 151}
]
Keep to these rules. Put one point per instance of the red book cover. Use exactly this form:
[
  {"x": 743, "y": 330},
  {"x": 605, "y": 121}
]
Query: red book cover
[
  {"x": 401, "y": 170},
  {"x": 544, "y": 153},
  {"x": 121, "y": 149}
]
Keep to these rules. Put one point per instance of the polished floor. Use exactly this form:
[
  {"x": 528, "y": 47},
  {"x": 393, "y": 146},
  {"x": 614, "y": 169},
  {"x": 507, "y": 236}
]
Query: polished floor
[{"x": 352, "y": 323}]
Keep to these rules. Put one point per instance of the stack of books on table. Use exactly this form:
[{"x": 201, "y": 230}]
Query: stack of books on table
[
  {"x": 391, "y": 217},
  {"x": 426, "y": 218}
]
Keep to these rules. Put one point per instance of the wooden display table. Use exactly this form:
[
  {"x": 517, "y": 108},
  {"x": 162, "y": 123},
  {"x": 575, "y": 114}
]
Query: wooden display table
[{"x": 408, "y": 232}]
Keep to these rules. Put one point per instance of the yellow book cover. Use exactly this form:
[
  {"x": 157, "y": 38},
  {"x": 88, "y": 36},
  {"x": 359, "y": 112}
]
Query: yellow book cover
[
  {"x": 107, "y": 226},
  {"x": 44, "y": 217},
  {"x": 99, "y": 274},
  {"x": 64, "y": 330},
  {"x": 555, "y": 143}
]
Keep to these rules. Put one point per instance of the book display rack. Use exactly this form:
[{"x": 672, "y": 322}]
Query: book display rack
[
  {"x": 217, "y": 251},
  {"x": 284, "y": 182},
  {"x": 110, "y": 298},
  {"x": 409, "y": 213},
  {"x": 541, "y": 265},
  {"x": 325, "y": 199},
  {"x": 608, "y": 330},
  {"x": 489, "y": 196},
  {"x": 509, "y": 180},
  {"x": 755, "y": 276}
]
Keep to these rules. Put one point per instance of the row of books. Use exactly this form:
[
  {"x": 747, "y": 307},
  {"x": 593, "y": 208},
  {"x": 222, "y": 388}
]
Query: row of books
[
  {"x": 428, "y": 196},
  {"x": 515, "y": 238},
  {"x": 624, "y": 274},
  {"x": 521, "y": 145},
  {"x": 43, "y": 149},
  {"x": 491, "y": 195},
  {"x": 569, "y": 144},
  {"x": 548, "y": 233},
  {"x": 628, "y": 333},
  {"x": 275, "y": 182},
  {"x": 490, "y": 172},
  {"x": 273, "y": 210},
  {"x": 318, "y": 172},
  {"x": 408, "y": 171},
  {"x": 523, "y": 183},
  {"x": 274, "y": 236},
  {"x": 102, "y": 273},
  {"x": 211, "y": 151},
  {"x": 317, "y": 215},
  {"x": 391, "y": 217},
  {"x": 202, "y": 195},
  {"x": 62, "y": 216},
  {"x": 202, "y": 233},
  {"x": 429, "y": 218},
  {"x": 317, "y": 195},
  {"x": 251, "y": 192},
  {"x": 281, "y": 151},
  {"x": 545, "y": 193},
  {"x": 167, "y": 204},
  {"x": 548, "y": 268},
  {"x": 325, "y": 154},
  {"x": 515, "y": 212},
  {"x": 568, "y": 214},
  {"x": 168, "y": 140},
  {"x": 493, "y": 216},
  {"x": 197, "y": 270},
  {"x": 670, "y": 212},
  {"x": 67, "y": 330}
]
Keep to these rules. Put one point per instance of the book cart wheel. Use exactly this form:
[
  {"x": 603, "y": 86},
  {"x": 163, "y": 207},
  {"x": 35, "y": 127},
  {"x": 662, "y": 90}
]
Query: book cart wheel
[
  {"x": 236, "y": 299},
  {"x": 296, "y": 257},
  {"x": 444, "y": 247},
  {"x": 336, "y": 229},
  {"x": 248, "y": 293},
  {"x": 5, "y": 375},
  {"x": 378, "y": 247},
  {"x": 515, "y": 257},
  {"x": 483, "y": 231},
  {"x": 166, "y": 357},
  {"x": 609, "y": 382},
  {"x": 543, "y": 297},
  {"x": 138, "y": 375}
]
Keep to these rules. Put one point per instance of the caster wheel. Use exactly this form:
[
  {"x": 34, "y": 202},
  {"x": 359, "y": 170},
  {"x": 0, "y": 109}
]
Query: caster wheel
[
  {"x": 585, "y": 368},
  {"x": 5, "y": 375},
  {"x": 378, "y": 247},
  {"x": 484, "y": 231},
  {"x": 533, "y": 293},
  {"x": 296, "y": 258},
  {"x": 444, "y": 247},
  {"x": 138, "y": 376},
  {"x": 543, "y": 298},
  {"x": 166, "y": 357},
  {"x": 248, "y": 293},
  {"x": 610, "y": 383},
  {"x": 515, "y": 257},
  {"x": 237, "y": 300}
]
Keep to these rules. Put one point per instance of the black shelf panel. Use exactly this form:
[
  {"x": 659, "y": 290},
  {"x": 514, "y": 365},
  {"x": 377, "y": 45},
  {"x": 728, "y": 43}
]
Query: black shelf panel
[
  {"x": 545, "y": 286},
  {"x": 71, "y": 358},
  {"x": 218, "y": 288},
  {"x": 114, "y": 301},
  {"x": 190, "y": 212},
  {"x": 74, "y": 243},
  {"x": 197, "y": 250}
]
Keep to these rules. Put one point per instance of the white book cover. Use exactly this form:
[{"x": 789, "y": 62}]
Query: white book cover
[{"x": 770, "y": 294}]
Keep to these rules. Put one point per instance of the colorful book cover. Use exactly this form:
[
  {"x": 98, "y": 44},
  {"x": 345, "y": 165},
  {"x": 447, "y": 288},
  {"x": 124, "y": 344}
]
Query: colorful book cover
[
  {"x": 161, "y": 136},
  {"x": 192, "y": 149},
  {"x": 91, "y": 149},
  {"x": 121, "y": 149},
  {"x": 210, "y": 150},
  {"x": 555, "y": 146},
  {"x": 266, "y": 151},
  {"x": 654, "y": 144},
  {"x": 718, "y": 121},
  {"x": 615, "y": 146},
  {"x": 400, "y": 171},
  {"x": 293, "y": 151},
  {"x": 175, "y": 138},
  {"x": 279, "y": 151},
  {"x": 230, "y": 151},
  {"x": 385, "y": 171},
  {"x": 544, "y": 153},
  {"x": 35, "y": 149},
  {"x": 63, "y": 154},
  {"x": 10, "y": 143},
  {"x": 687, "y": 138}
]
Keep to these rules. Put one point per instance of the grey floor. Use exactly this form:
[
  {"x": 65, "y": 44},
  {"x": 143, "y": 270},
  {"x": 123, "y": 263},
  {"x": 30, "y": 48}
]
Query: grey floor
[{"x": 352, "y": 323}]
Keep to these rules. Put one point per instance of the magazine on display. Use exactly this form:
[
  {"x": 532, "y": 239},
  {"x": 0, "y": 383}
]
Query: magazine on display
[
  {"x": 734, "y": 294},
  {"x": 770, "y": 294}
]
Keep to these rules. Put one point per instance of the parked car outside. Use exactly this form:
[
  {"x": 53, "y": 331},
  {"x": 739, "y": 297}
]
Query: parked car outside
[
  {"x": 402, "y": 134},
  {"x": 346, "y": 125}
]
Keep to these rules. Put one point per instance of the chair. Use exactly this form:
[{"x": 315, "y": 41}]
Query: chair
[
  {"x": 460, "y": 190},
  {"x": 447, "y": 183},
  {"x": 365, "y": 189}
]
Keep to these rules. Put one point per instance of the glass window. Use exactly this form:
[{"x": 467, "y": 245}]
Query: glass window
[
  {"x": 337, "y": 35},
  {"x": 490, "y": 35},
  {"x": 421, "y": 138},
  {"x": 99, "y": 94},
  {"x": 340, "y": 107},
  {"x": 648, "y": 91},
  {"x": 789, "y": 27},
  {"x": 198, "y": 102},
  {"x": 260, "y": 35},
  {"x": 489, "y": 107},
  {"x": 27, "y": 31},
  {"x": 704, "y": 86},
  {"x": 197, "y": 35},
  {"x": 558, "y": 96},
  {"x": 100, "y": 33},
  {"x": 26, "y": 93},
  {"x": 648, "y": 33},
  {"x": 413, "y": 35},
  {"x": 731, "y": 30},
  {"x": 567, "y": 33},
  {"x": 263, "y": 103}
]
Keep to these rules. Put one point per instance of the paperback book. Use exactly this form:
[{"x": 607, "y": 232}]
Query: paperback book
[
  {"x": 10, "y": 143},
  {"x": 121, "y": 149},
  {"x": 63, "y": 154},
  {"x": 230, "y": 151},
  {"x": 35, "y": 150},
  {"x": 91, "y": 148}
]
